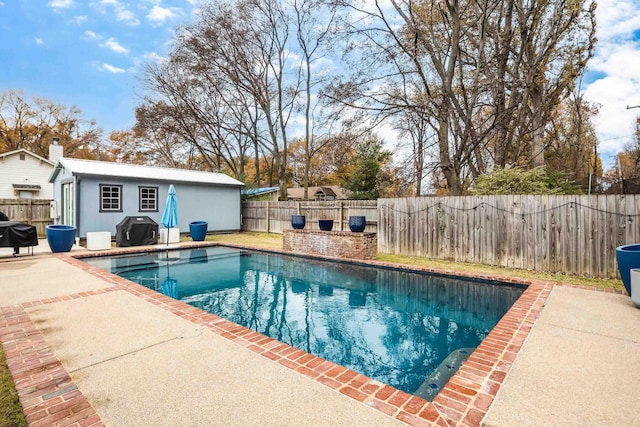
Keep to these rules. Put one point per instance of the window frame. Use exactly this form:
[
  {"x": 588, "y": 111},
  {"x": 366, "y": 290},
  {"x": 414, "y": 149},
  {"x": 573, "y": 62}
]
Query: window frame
[
  {"x": 141, "y": 188},
  {"x": 102, "y": 198}
]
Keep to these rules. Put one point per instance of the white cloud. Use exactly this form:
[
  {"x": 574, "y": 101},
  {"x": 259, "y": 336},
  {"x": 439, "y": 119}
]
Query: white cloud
[
  {"x": 121, "y": 12},
  {"x": 159, "y": 15},
  {"x": 61, "y": 4},
  {"x": 617, "y": 67},
  {"x": 79, "y": 20},
  {"x": 39, "y": 41},
  {"x": 90, "y": 35},
  {"x": 617, "y": 17},
  {"x": 154, "y": 57},
  {"x": 112, "y": 69},
  {"x": 126, "y": 15},
  {"x": 112, "y": 43},
  {"x": 1, "y": 4},
  {"x": 614, "y": 121}
]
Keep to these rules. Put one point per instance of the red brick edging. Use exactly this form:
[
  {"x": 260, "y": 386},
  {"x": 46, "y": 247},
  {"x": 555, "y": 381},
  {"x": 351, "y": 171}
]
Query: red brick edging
[{"x": 48, "y": 395}]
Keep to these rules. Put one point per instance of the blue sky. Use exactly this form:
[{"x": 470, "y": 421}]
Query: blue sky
[
  {"x": 86, "y": 53},
  {"x": 91, "y": 54},
  {"x": 613, "y": 80}
]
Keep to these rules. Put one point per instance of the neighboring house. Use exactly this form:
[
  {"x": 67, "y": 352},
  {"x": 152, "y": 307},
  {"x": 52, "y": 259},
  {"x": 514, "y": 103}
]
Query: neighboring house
[
  {"x": 95, "y": 196},
  {"x": 267, "y": 194},
  {"x": 327, "y": 193},
  {"x": 25, "y": 175}
]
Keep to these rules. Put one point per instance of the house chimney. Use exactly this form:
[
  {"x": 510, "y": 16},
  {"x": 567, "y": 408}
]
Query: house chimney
[{"x": 55, "y": 150}]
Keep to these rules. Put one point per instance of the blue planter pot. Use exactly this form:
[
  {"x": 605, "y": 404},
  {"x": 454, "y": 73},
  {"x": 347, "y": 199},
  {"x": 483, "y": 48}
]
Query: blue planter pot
[
  {"x": 298, "y": 222},
  {"x": 325, "y": 224},
  {"x": 198, "y": 230},
  {"x": 357, "y": 224},
  {"x": 628, "y": 257},
  {"x": 60, "y": 237},
  {"x": 198, "y": 256}
]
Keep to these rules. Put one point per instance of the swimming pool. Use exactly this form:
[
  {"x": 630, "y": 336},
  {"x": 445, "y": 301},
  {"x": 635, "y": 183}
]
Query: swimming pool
[{"x": 406, "y": 329}]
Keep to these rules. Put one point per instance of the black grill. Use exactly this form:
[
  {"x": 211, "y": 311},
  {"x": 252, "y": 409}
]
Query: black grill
[{"x": 136, "y": 231}]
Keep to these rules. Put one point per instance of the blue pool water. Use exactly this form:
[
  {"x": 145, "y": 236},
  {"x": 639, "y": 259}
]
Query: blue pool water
[{"x": 406, "y": 329}]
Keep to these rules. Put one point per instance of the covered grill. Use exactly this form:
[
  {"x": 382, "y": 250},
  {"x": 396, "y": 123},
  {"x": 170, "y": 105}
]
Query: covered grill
[{"x": 136, "y": 231}]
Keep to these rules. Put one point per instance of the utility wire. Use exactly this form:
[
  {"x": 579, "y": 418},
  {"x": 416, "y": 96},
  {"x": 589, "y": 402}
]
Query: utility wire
[{"x": 482, "y": 205}]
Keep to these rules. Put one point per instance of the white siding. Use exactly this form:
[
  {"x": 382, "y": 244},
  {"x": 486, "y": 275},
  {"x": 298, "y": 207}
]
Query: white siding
[{"x": 30, "y": 171}]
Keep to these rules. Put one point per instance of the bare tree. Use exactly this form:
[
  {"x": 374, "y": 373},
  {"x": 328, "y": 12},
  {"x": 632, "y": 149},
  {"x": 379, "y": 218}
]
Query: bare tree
[
  {"x": 414, "y": 128},
  {"x": 542, "y": 49},
  {"x": 230, "y": 87},
  {"x": 32, "y": 123},
  {"x": 571, "y": 140},
  {"x": 484, "y": 75},
  {"x": 192, "y": 108},
  {"x": 314, "y": 22},
  {"x": 425, "y": 62}
]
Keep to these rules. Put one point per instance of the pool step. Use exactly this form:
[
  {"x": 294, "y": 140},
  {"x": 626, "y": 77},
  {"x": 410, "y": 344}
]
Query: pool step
[{"x": 438, "y": 378}]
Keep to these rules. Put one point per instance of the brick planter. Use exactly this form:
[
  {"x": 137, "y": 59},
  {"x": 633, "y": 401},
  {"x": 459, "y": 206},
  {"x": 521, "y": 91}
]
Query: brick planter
[{"x": 339, "y": 244}]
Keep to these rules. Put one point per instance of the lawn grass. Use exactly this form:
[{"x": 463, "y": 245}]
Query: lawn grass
[
  {"x": 262, "y": 240},
  {"x": 274, "y": 241},
  {"x": 501, "y": 271},
  {"x": 11, "y": 414}
]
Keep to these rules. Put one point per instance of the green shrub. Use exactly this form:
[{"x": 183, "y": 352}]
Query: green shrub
[{"x": 522, "y": 181}]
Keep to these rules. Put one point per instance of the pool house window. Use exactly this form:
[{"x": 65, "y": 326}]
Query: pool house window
[
  {"x": 148, "y": 199},
  {"x": 110, "y": 198}
]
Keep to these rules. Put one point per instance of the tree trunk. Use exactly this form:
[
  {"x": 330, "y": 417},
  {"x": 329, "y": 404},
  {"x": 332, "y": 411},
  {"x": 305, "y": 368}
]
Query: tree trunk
[{"x": 537, "y": 122}]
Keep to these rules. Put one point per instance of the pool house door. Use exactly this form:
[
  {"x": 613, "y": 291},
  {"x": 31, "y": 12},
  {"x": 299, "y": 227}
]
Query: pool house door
[{"x": 67, "y": 217}]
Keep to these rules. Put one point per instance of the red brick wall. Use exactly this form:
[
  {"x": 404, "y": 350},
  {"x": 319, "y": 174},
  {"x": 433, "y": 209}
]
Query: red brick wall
[{"x": 339, "y": 244}]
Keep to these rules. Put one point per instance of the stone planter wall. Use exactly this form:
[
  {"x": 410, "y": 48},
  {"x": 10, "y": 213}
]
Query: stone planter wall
[{"x": 339, "y": 244}]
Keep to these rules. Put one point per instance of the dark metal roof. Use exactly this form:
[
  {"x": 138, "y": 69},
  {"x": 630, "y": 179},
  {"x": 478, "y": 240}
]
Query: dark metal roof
[
  {"x": 327, "y": 191},
  {"x": 26, "y": 187},
  {"x": 258, "y": 191}
]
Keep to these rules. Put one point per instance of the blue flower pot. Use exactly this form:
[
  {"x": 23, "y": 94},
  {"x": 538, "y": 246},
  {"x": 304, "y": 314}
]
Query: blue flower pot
[
  {"x": 325, "y": 224},
  {"x": 628, "y": 257},
  {"x": 198, "y": 256},
  {"x": 198, "y": 230},
  {"x": 61, "y": 237},
  {"x": 357, "y": 224},
  {"x": 298, "y": 222}
]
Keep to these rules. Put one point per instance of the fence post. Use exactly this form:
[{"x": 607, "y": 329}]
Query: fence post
[
  {"x": 268, "y": 219},
  {"x": 341, "y": 215},
  {"x": 29, "y": 211},
  {"x": 298, "y": 208}
]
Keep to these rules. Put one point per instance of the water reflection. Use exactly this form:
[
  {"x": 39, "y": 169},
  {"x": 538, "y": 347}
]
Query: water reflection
[{"x": 394, "y": 326}]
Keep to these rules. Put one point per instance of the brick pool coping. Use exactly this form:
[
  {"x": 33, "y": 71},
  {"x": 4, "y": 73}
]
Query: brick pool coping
[{"x": 50, "y": 397}]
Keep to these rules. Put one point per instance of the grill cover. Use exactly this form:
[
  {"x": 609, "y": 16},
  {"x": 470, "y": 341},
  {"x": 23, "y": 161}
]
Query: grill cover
[
  {"x": 136, "y": 231},
  {"x": 15, "y": 234}
]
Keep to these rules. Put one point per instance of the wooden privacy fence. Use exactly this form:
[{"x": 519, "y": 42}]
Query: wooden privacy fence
[
  {"x": 273, "y": 217},
  {"x": 565, "y": 234},
  {"x": 32, "y": 211}
]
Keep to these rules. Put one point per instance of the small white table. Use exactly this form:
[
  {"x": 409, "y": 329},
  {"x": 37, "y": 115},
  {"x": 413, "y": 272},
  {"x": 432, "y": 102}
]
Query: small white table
[
  {"x": 98, "y": 240},
  {"x": 174, "y": 235}
]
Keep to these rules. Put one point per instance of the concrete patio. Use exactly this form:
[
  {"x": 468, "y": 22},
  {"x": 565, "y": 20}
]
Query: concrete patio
[{"x": 139, "y": 364}]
